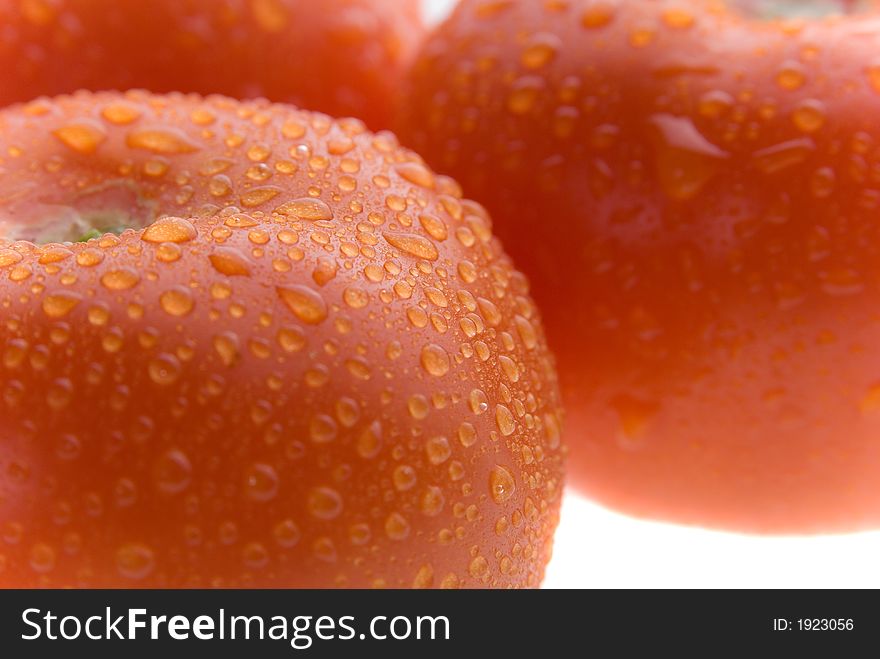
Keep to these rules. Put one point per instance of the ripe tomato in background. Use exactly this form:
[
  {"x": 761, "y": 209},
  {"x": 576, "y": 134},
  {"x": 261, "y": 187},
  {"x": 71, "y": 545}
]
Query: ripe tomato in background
[
  {"x": 694, "y": 195},
  {"x": 325, "y": 372},
  {"x": 342, "y": 57}
]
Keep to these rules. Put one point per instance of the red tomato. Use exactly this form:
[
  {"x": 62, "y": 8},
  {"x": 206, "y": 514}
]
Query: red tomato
[
  {"x": 695, "y": 194},
  {"x": 305, "y": 361},
  {"x": 343, "y": 57}
]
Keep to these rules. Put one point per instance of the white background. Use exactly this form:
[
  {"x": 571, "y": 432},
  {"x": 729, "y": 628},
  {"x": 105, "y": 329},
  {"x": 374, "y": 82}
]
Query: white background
[{"x": 596, "y": 548}]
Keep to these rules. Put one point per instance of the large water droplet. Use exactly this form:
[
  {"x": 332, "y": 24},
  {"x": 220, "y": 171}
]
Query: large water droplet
[
  {"x": 369, "y": 442},
  {"x": 170, "y": 230},
  {"x": 287, "y": 533},
  {"x": 42, "y": 558},
  {"x": 306, "y": 304},
  {"x": 414, "y": 245},
  {"x": 83, "y": 136},
  {"x": 177, "y": 301},
  {"x": 504, "y": 419},
  {"x": 435, "y": 360},
  {"x": 686, "y": 161},
  {"x": 324, "y": 503},
  {"x": 540, "y": 50},
  {"x": 230, "y": 261},
  {"x": 172, "y": 472},
  {"x": 438, "y": 450},
  {"x": 164, "y": 370},
  {"x": 135, "y": 560},
  {"x": 168, "y": 141},
  {"x": 306, "y": 208},
  {"x": 59, "y": 305},
  {"x": 501, "y": 484},
  {"x": 261, "y": 482}
]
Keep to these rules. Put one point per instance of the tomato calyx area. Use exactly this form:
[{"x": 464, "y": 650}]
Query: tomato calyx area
[{"x": 111, "y": 207}]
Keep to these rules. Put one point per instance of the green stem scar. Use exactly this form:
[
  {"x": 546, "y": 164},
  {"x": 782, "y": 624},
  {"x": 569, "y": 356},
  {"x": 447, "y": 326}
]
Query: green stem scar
[
  {"x": 92, "y": 234},
  {"x": 110, "y": 207}
]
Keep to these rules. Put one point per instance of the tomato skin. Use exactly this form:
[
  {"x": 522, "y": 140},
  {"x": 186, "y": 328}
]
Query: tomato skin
[
  {"x": 302, "y": 378},
  {"x": 342, "y": 57},
  {"x": 694, "y": 195}
]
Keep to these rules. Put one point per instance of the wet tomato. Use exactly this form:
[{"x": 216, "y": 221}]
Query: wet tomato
[
  {"x": 343, "y": 57},
  {"x": 694, "y": 192},
  {"x": 305, "y": 360}
]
